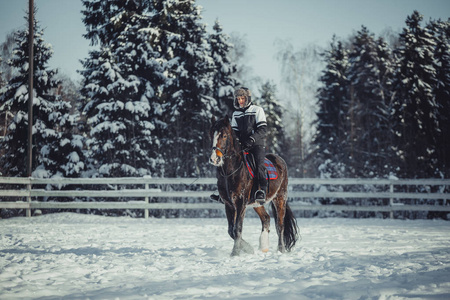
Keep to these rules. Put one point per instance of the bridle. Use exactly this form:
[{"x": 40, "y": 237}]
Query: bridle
[
  {"x": 222, "y": 172},
  {"x": 226, "y": 176},
  {"x": 220, "y": 150},
  {"x": 225, "y": 156}
]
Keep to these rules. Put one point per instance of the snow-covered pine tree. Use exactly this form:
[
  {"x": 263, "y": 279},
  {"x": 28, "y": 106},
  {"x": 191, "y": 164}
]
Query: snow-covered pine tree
[
  {"x": 224, "y": 83},
  {"x": 6, "y": 49},
  {"x": 187, "y": 98},
  {"x": 3, "y": 117},
  {"x": 415, "y": 108},
  {"x": 386, "y": 65},
  {"x": 121, "y": 86},
  {"x": 274, "y": 113},
  {"x": 330, "y": 138},
  {"x": 2, "y": 81},
  {"x": 441, "y": 30},
  {"x": 99, "y": 16},
  {"x": 369, "y": 70},
  {"x": 15, "y": 100},
  {"x": 50, "y": 114},
  {"x": 120, "y": 137}
]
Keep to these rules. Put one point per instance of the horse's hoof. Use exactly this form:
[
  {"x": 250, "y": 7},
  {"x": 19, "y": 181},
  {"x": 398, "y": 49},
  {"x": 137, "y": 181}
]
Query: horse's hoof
[
  {"x": 264, "y": 241},
  {"x": 249, "y": 250},
  {"x": 282, "y": 249}
]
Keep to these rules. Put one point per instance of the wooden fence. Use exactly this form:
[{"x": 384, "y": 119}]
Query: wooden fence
[{"x": 435, "y": 191}]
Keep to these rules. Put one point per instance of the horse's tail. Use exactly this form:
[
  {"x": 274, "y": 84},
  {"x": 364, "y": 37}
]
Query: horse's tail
[{"x": 290, "y": 227}]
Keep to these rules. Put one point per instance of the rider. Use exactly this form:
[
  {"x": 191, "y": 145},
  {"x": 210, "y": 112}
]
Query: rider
[{"x": 249, "y": 123}]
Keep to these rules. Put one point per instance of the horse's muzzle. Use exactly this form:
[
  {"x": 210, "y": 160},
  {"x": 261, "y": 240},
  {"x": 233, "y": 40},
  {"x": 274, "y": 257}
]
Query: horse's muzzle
[{"x": 216, "y": 158}]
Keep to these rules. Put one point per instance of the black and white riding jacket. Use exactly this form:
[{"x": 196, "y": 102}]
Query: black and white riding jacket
[{"x": 250, "y": 122}]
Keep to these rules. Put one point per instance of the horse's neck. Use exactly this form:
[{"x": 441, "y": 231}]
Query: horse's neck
[{"x": 233, "y": 163}]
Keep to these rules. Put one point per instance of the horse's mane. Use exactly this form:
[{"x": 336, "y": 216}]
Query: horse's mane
[{"x": 237, "y": 145}]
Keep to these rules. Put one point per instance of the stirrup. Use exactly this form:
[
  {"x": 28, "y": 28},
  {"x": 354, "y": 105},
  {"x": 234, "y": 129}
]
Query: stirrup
[{"x": 260, "y": 196}]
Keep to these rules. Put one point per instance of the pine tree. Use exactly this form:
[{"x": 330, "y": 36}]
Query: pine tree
[
  {"x": 330, "y": 138},
  {"x": 368, "y": 74},
  {"x": 121, "y": 87},
  {"x": 275, "y": 137},
  {"x": 441, "y": 30},
  {"x": 15, "y": 100},
  {"x": 117, "y": 113},
  {"x": 223, "y": 81},
  {"x": 6, "y": 71},
  {"x": 49, "y": 113},
  {"x": 6, "y": 49},
  {"x": 415, "y": 108},
  {"x": 187, "y": 98},
  {"x": 162, "y": 50},
  {"x": 2, "y": 81},
  {"x": 3, "y": 114},
  {"x": 103, "y": 18}
]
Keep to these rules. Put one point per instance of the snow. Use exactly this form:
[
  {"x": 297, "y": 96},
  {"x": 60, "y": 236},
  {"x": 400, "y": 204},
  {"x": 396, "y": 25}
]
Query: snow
[
  {"x": 74, "y": 256},
  {"x": 21, "y": 91},
  {"x": 77, "y": 141},
  {"x": 73, "y": 157}
]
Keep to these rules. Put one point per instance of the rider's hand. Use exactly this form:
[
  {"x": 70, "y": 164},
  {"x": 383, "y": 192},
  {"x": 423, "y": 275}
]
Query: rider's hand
[{"x": 249, "y": 143}]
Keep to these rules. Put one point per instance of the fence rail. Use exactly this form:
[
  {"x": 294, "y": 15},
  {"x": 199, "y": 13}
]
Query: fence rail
[{"x": 141, "y": 190}]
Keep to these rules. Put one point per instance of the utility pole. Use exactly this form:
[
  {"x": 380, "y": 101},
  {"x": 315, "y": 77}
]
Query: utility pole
[
  {"x": 30, "y": 87},
  {"x": 30, "y": 98}
]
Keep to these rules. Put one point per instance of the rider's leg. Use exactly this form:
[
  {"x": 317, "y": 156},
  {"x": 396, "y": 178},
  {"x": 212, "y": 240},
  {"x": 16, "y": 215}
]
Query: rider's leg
[{"x": 259, "y": 154}]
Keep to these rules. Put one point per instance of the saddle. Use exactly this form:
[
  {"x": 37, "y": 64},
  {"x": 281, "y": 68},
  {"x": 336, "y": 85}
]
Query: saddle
[{"x": 271, "y": 171}]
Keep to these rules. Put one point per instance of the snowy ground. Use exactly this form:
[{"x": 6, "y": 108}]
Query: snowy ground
[{"x": 73, "y": 256}]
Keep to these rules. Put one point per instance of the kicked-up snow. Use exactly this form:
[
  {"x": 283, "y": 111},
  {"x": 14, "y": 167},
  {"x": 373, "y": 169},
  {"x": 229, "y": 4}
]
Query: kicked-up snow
[{"x": 74, "y": 256}]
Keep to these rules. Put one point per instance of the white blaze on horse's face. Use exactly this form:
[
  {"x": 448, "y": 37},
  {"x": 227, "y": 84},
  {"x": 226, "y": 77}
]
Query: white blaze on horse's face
[{"x": 216, "y": 155}]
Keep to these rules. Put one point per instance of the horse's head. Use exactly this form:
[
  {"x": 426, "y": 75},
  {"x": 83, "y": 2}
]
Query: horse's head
[{"x": 222, "y": 137}]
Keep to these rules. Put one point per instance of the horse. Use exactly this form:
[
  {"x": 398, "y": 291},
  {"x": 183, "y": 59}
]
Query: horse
[{"x": 235, "y": 182}]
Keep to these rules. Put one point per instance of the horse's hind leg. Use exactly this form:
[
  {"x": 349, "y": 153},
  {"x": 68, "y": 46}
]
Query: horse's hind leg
[
  {"x": 265, "y": 222},
  {"x": 279, "y": 211}
]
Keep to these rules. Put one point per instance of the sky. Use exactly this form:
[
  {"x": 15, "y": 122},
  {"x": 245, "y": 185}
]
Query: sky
[{"x": 261, "y": 22}]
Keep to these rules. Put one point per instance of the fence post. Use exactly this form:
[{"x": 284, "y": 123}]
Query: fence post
[
  {"x": 146, "y": 201},
  {"x": 28, "y": 211},
  {"x": 391, "y": 201}
]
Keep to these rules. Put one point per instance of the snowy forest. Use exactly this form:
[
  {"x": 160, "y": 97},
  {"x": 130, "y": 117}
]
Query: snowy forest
[{"x": 155, "y": 76}]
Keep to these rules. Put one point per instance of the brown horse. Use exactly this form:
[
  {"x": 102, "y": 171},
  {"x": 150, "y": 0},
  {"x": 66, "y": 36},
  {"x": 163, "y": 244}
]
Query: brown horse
[{"x": 235, "y": 183}]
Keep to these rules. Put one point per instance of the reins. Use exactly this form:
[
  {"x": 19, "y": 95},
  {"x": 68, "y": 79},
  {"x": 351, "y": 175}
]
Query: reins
[
  {"x": 226, "y": 176},
  {"x": 230, "y": 156},
  {"x": 223, "y": 174}
]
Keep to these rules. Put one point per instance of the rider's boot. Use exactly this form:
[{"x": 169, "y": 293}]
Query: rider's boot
[{"x": 215, "y": 197}]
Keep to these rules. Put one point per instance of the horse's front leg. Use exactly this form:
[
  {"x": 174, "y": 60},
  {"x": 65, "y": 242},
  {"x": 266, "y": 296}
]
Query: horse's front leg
[
  {"x": 239, "y": 243},
  {"x": 231, "y": 217}
]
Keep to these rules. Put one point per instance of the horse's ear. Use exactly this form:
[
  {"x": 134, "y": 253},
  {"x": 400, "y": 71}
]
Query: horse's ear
[
  {"x": 226, "y": 120},
  {"x": 213, "y": 119}
]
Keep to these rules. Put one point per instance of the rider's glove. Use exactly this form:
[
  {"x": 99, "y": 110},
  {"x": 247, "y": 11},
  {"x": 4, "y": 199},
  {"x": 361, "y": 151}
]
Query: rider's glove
[{"x": 249, "y": 143}]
